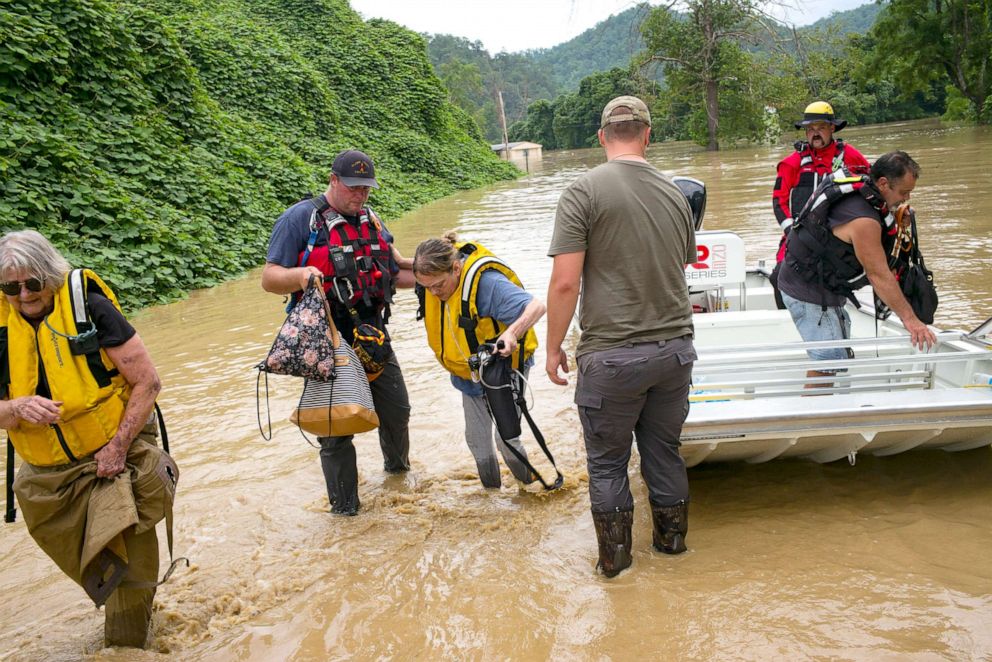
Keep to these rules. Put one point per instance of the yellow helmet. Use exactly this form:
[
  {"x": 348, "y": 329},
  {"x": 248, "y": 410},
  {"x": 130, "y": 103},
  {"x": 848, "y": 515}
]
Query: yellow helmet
[{"x": 820, "y": 111}]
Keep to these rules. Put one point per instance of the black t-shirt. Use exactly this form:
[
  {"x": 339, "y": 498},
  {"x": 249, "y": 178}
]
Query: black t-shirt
[
  {"x": 843, "y": 211},
  {"x": 112, "y": 330}
]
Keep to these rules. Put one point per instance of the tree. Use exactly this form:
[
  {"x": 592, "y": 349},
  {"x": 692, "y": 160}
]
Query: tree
[
  {"x": 702, "y": 49},
  {"x": 920, "y": 41},
  {"x": 464, "y": 83},
  {"x": 577, "y": 115},
  {"x": 539, "y": 125}
]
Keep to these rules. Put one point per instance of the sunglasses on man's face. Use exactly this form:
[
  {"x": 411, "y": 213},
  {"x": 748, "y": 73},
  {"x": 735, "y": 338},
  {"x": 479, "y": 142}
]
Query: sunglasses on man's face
[{"x": 13, "y": 288}]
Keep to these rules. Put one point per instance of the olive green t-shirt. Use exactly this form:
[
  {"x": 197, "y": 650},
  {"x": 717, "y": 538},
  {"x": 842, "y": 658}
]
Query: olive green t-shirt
[{"x": 636, "y": 229}]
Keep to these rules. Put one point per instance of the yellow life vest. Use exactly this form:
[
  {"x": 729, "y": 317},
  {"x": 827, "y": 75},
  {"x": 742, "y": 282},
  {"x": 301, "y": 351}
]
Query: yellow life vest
[
  {"x": 454, "y": 328},
  {"x": 79, "y": 374}
]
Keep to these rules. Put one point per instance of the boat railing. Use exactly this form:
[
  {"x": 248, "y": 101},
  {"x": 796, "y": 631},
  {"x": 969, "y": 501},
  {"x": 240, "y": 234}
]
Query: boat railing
[{"x": 780, "y": 370}]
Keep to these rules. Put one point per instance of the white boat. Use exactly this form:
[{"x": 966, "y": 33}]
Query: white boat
[{"x": 747, "y": 401}]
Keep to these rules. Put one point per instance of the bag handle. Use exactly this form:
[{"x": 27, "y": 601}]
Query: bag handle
[
  {"x": 335, "y": 336},
  {"x": 917, "y": 255}
]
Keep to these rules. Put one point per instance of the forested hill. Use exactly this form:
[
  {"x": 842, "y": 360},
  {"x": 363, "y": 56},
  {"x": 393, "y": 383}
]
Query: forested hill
[
  {"x": 471, "y": 73},
  {"x": 156, "y": 141},
  {"x": 614, "y": 41},
  {"x": 853, "y": 21},
  {"x": 611, "y": 43}
]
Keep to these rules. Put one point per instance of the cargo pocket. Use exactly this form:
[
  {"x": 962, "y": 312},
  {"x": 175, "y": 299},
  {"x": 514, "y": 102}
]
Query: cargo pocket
[
  {"x": 154, "y": 486},
  {"x": 686, "y": 356},
  {"x": 622, "y": 368},
  {"x": 591, "y": 415}
]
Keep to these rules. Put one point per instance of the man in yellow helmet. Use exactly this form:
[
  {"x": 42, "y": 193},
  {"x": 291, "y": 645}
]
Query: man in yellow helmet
[{"x": 816, "y": 156}]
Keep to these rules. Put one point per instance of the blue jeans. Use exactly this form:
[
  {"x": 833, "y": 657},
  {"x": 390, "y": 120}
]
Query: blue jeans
[{"x": 814, "y": 323}]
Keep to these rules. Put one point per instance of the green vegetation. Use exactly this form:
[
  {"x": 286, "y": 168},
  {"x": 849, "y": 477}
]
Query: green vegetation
[
  {"x": 156, "y": 141},
  {"x": 573, "y": 119},
  {"x": 947, "y": 42},
  {"x": 729, "y": 75},
  {"x": 609, "y": 45},
  {"x": 473, "y": 76}
]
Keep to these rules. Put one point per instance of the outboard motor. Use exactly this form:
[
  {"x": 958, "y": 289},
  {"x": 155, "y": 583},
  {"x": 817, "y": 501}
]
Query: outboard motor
[{"x": 695, "y": 193}]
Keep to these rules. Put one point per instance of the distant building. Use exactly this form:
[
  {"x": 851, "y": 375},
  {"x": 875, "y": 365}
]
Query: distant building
[{"x": 521, "y": 153}]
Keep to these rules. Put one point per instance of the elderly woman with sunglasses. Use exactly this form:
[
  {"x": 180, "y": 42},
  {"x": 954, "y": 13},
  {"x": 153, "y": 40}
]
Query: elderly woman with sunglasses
[{"x": 78, "y": 387}]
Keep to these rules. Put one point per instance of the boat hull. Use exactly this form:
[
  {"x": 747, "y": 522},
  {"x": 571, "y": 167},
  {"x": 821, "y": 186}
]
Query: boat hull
[{"x": 750, "y": 401}]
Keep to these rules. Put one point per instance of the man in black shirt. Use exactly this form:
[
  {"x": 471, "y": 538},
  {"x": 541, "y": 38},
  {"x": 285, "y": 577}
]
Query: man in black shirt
[{"x": 860, "y": 234}]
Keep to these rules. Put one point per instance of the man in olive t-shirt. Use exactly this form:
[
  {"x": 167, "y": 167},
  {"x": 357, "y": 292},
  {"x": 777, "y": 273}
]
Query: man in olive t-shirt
[{"x": 624, "y": 232}]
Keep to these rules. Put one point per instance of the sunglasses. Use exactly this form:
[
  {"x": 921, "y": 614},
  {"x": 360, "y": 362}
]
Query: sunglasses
[{"x": 13, "y": 288}]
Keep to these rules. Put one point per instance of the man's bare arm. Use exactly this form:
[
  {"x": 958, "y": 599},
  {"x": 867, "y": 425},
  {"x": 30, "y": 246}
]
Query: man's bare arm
[
  {"x": 563, "y": 297},
  {"x": 866, "y": 236}
]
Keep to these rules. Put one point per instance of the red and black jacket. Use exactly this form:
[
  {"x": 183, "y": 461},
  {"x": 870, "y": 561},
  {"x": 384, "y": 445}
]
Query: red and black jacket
[{"x": 802, "y": 171}]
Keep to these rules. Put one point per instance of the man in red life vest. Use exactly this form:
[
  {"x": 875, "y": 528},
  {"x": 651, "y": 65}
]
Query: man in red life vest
[
  {"x": 337, "y": 234},
  {"x": 800, "y": 173}
]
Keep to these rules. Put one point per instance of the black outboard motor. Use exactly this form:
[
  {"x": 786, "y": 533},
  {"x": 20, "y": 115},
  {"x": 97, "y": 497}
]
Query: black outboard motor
[{"x": 695, "y": 192}]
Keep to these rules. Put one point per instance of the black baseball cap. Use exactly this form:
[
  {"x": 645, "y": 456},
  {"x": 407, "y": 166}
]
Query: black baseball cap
[{"x": 354, "y": 168}]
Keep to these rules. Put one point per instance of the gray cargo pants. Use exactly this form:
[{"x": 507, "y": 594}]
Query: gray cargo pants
[
  {"x": 479, "y": 433},
  {"x": 643, "y": 390}
]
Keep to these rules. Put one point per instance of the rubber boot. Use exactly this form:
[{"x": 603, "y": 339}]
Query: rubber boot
[
  {"x": 613, "y": 534},
  {"x": 671, "y": 524},
  {"x": 339, "y": 464}
]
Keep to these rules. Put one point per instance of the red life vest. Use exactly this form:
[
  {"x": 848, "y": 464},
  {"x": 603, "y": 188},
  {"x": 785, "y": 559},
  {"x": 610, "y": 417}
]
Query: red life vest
[
  {"x": 355, "y": 260},
  {"x": 801, "y": 172}
]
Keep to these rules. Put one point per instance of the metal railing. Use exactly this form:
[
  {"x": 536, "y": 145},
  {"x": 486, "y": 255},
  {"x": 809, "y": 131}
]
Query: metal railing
[{"x": 744, "y": 370}]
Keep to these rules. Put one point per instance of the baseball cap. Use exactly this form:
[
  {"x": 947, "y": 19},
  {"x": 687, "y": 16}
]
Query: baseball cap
[
  {"x": 354, "y": 168},
  {"x": 638, "y": 111}
]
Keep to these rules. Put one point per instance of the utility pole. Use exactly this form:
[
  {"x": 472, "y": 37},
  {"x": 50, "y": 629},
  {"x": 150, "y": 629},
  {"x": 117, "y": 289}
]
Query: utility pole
[{"x": 502, "y": 119}]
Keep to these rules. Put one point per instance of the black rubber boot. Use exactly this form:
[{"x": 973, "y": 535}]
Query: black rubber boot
[
  {"x": 613, "y": 534},
  {"x": 671, "y": 524},
  {"x": 339, "y": 464}
]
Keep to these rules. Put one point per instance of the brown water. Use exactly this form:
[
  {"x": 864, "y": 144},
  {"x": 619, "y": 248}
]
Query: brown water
[{"x": 888, "y": 559}]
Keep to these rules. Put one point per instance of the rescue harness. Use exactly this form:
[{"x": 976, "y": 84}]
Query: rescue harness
[
  {"x": 476, "y": 330},
  {"x": 809, "y": 177},
  {"x": 817, "y": 255},
  {"x": 354, "y": 261}
]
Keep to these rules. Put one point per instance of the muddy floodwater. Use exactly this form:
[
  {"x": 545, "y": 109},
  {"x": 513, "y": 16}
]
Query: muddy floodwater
[{"x": 885, "y": 560}]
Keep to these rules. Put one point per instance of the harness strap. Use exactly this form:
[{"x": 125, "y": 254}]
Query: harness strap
[
  {"x": 521, "y": 402},
  {"x": 85, "y": 342},
  {"x": 11, "y": 513},
  {"x": 173, "y": 562},
  {"x": 838, "y": 163},
  {"x": 421, "y": 293},
  {"x": 467, "y": 322},
  {"x": 161, "y": 427}
]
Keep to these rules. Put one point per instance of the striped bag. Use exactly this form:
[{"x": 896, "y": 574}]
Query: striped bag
[
  {"x": 339, "y": 407},
  {"x": 342, "y": 405},
  {"x": 336, "y": 399}
]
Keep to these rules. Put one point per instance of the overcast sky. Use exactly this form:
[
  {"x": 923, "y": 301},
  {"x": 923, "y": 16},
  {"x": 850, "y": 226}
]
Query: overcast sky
[{"x": 516, "y": 25}]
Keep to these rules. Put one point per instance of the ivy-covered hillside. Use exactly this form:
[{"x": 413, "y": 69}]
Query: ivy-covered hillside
[{"x": 156, "y": 141}]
